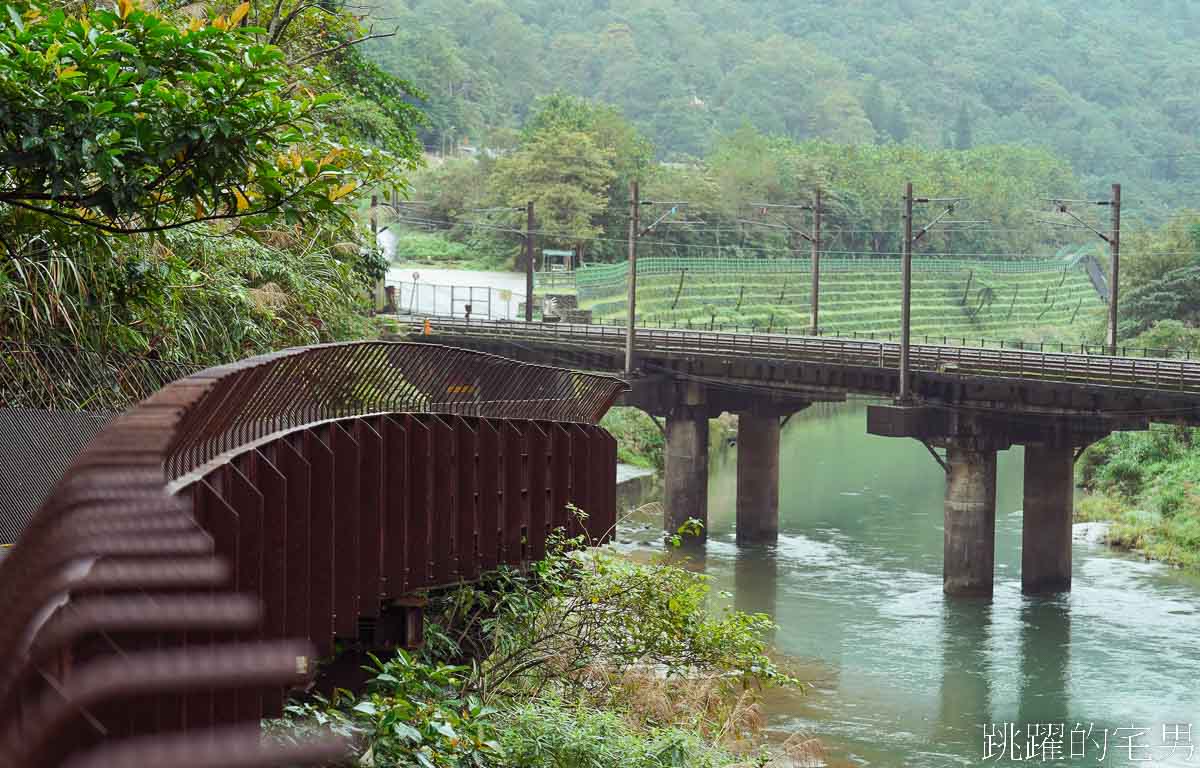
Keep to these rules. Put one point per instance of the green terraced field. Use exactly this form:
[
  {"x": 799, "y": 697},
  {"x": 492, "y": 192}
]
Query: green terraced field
[{"x": 1029, "y": 300}]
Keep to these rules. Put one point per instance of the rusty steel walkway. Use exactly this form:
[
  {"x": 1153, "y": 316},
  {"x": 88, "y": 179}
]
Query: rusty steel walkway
[{"x": 210, "y": 544}]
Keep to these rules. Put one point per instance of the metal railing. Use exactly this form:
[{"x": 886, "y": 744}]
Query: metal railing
[
  {"x": 956, "y": 340},
  {"x": 478, "y": 301},
  {"x": 244, "y": 401},
  {"x": 51, "y": 377},
  {"x": 133, "y": 633},
  {"x": 1067, "y": 367}
]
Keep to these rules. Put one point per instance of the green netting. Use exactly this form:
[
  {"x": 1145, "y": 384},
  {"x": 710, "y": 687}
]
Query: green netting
[
  {"x": 858, "y": 294},
  {"x": 594, "y": 282}
]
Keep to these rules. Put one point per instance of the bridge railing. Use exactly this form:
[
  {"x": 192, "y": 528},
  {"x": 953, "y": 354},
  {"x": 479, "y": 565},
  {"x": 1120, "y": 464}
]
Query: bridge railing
[
  {"x": 957, "y": 340},
  {"x": 1150, "y": 373},
  {"x": 149, "y": 621},
  {"x": 250, "y": 399}
]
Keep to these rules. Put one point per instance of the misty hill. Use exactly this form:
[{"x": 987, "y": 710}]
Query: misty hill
[{"x": 1111, "y": 85}]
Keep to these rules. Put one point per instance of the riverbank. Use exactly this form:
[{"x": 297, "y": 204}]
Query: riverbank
[
  {"x": 640, "y": 441},
  {"x": 1145, "y": 484},
  {"x": 589, "y": 657}
]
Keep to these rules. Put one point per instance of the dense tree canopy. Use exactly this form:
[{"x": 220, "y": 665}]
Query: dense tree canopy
[
  {"x": 1110, "y": 86},
  {"x": 185, "y": 183},
  {"x": 137, "y": 124}
]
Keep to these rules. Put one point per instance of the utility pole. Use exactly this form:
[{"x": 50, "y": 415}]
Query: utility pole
[
  {"x": 635, "y": 207},
  {"x": 815, "y": 241},
  {"x": 1113, "y": 238},
  {"x": 910, "y": 240},
  {"x": 906, "y": 292},
  {"x": 379, "y": 299},
  {"x": 636, "y": 232},
  {"x": 1114, "y": 282},
  {"x": 529, "y": 262}
]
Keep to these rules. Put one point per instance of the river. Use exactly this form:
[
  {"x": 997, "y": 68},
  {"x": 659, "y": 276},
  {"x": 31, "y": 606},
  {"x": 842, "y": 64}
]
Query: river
[{"x": 901, "y": 676}]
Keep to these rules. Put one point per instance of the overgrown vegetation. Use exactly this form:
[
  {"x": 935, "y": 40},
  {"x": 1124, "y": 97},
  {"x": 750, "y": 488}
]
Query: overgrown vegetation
[
  {"x": 1146, "y": 482},
  {"x": 586, "y": 659},
  {"x": 919, "y": 72},
  {"x": 181, "y": 183},
  {"x": 575, "y": 160},
  {"x": 415, "y": 247},
  {"x": 639, "y": 440}
]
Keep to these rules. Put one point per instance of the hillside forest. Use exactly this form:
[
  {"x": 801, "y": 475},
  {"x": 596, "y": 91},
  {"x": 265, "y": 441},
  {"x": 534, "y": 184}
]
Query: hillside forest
[{"x": 1117, "y": 106}]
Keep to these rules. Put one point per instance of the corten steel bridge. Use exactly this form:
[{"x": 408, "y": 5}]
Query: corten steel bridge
[
  {"x": 212, "y": 542},
  {"x": 969, "y": 401}
]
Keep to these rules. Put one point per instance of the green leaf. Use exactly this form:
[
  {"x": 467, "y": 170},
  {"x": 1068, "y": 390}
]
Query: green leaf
[{"x": 406, "y": 732}]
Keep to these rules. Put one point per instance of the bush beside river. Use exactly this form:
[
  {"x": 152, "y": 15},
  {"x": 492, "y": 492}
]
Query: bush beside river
[{"x": 1146, "y": 484}]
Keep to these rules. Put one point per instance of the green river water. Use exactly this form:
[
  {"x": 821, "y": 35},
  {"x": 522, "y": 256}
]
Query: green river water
[{"x": 901, "y": 676}]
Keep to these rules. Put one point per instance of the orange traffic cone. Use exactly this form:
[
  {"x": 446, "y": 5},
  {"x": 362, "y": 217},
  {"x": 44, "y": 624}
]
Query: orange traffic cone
[{"x": 428, "y": 328}]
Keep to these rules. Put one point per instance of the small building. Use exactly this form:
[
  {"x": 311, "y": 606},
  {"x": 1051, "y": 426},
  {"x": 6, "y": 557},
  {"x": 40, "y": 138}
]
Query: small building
[{"x": 557, "y": 261}]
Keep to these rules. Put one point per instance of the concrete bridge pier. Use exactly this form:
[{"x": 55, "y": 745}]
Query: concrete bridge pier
[
  {"x": 685, "y": 485},
  {"x": 969, "y": 549},
  {"x": 971, "y": 439},
  {"x": 757, "y": 478},
  {"x": 687, "y": 406},
  {"x": 758, "y": 469},
  {"x": 1046, "y": 525}
]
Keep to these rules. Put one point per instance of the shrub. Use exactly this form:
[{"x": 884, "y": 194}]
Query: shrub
[
  {"x": 639, "y": 440},
  {"x": 414, "y": 714},
  {"x": 1122, "y": 474},
  {"x": 1093, "y": 460},
  {"x": 552, "y": 735},
  {"x": 1097, "y": 508},
  {"x": 1170, "y": 501},
  {"x": 427, "y": 249}
]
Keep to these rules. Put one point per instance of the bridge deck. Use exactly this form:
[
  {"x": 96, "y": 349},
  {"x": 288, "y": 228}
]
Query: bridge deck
[{"x": 1165, "y": 389}]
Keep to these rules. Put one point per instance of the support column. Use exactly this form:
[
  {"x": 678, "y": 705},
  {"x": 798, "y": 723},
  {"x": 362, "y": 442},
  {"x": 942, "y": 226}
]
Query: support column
[
  {"x": 1046, "y": 528},
  {"x": 757, "y": 478},
  {"x": 685, "y": 492},
  {"x": 970, "y": 520}
]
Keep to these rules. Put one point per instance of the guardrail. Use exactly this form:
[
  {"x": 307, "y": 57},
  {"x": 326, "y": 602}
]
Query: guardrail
[
  {"x": 563, "y": 279},
  {"x": 1145, "y": 373},
  {"x": 982, "y": 342},
  {"x": 317, "y": 483},
  {"x": 479, "y": 301}
]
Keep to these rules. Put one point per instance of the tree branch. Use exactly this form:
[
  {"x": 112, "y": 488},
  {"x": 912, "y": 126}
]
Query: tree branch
[
  {"x": 115, "y": 230},
  {"x": 346, "y": 44}
]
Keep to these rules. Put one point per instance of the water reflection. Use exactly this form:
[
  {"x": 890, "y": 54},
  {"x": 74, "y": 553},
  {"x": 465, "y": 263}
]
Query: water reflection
[
  {"x": 756, "y": 581},
  {"x": 1045, "y": 661},
  {"x": 965, "y": 692}
]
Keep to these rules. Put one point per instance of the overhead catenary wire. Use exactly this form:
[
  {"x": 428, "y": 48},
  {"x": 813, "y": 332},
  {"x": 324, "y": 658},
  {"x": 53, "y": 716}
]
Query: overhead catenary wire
[{"x": 748, "y": 248}]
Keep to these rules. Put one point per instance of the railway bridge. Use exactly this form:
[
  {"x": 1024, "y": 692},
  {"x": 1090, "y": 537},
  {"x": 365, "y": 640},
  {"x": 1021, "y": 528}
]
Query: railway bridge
[
  {"x": 211, "y": 544},
  {"x": 966, "y": 402}
]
